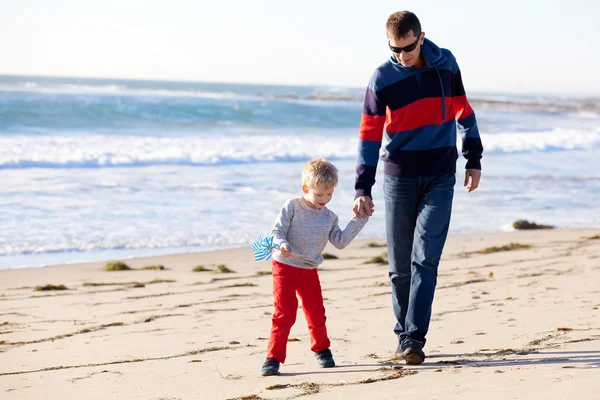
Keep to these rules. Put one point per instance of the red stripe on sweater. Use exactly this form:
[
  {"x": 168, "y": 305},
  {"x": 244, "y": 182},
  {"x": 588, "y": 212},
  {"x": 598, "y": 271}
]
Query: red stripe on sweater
[
  {"x": 371, "y": 128},
  {"x": 462, "y": 106},
  {"x": 425, "y": 112}
]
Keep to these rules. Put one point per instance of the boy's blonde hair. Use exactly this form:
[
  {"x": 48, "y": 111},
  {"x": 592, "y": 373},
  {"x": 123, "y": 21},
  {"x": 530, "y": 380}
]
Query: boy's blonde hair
[{"x": 319, "y": 173}]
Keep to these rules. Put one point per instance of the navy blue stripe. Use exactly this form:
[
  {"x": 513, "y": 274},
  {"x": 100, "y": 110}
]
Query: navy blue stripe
[
  {"x": 423, "y": 138},
  {"x": 368, "y": 152},
  {"x": 365, "y": 179},
  {"x": 472, "y": 145},
  {"x": 408, "y": 90},
  {"x": 372, "y": 105},
  {"x": 421, "y": 162},
  {"x": 443, "y": 167},
  {"x": 468, "y": 127},
  {"x": 459, "y": 89},
  {"x": 472, "y": 148}
]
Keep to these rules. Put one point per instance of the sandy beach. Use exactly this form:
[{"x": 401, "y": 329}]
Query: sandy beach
[{"x": 514, "y": 322}]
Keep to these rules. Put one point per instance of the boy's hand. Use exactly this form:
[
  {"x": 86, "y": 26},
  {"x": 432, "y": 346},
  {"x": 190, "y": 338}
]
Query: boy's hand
[
  {"x": 363, "y": 207},
  {"x": 285, "y": 251}
]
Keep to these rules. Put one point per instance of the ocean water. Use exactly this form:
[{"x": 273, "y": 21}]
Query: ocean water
[{"x": 96, "y": 169}]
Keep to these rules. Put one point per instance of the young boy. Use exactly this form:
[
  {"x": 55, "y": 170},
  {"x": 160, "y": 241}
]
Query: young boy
[{"x": 302, "y": 229}]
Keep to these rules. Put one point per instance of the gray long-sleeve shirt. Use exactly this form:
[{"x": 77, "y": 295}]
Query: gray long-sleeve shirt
[{"x": 306, "y": 230}]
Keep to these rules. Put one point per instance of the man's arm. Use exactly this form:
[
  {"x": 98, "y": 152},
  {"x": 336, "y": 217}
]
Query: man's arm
[
  {"x": 369, "y": 143},
  {"x": 472, "y": 147}
]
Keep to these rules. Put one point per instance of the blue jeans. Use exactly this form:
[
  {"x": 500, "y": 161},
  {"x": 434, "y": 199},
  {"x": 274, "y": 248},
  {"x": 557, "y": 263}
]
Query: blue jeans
[{"x": 417, "y": 217}]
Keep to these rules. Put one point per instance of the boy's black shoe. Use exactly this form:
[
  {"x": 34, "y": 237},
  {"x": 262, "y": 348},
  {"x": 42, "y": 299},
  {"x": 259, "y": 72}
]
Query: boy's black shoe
[
  {"x": 325, "y": 358},
  {"x": 411, "y": 351},
  {"x": 270, "y": 367}
]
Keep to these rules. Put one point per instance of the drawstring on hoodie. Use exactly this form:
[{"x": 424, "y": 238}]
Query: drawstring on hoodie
[{"x": 443, "y": 95}]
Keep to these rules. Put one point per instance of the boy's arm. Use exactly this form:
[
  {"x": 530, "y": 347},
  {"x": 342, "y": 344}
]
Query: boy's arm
[
  {"x": 341, "y": 238},
  {"x": 282, "y": 224}
]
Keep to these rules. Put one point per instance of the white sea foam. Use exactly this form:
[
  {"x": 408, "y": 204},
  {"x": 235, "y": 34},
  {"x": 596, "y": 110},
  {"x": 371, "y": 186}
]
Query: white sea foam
[
  {"x": 556, "y": 139},
  {"x": 98, "y": 151}
]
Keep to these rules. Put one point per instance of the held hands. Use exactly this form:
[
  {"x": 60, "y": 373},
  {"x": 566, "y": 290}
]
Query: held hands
[
  {"x": 472, "y": 178},
  {"x": 285, "y": 251},
  {"x": 363, "y": 207}
]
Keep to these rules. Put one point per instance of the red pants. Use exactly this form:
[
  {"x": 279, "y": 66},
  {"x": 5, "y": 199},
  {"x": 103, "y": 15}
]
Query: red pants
[{"x": 288, "y": 280}]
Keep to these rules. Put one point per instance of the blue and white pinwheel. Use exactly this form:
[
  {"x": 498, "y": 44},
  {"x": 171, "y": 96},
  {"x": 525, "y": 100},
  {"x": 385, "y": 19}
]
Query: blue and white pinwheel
[{"x": 263, "y": 247}]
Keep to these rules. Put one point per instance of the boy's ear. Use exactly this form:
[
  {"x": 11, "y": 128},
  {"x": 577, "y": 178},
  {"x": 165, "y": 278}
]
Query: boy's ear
[{"x": 305, "y": 189}]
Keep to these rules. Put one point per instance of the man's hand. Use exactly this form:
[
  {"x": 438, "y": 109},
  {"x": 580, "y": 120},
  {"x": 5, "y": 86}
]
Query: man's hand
[
  {"x": 363, "y": 207},
  {"x": 472, "y": 178},
  {"x": 285, "y": 251}
]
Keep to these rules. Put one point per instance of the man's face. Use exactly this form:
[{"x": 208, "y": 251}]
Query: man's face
[{"x": 407, "y": 58}]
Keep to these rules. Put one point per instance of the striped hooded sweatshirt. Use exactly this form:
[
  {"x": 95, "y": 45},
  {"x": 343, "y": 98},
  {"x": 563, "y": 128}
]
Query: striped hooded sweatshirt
[{"x": 413, "y": 114}]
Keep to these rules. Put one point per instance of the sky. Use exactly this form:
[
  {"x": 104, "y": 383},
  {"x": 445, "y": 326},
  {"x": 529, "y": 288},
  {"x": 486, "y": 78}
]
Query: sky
[{"x": 525, "y": 46}]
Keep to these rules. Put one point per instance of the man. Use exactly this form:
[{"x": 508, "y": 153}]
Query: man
[{"x": 417, "y": 97}]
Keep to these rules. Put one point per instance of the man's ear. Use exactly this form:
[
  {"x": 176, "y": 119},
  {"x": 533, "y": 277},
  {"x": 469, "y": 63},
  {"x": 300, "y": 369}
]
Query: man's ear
[{"x": 305, "y": 189}]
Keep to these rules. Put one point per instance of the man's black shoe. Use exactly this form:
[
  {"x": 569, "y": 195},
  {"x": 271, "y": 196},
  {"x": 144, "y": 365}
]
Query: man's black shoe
[{"x": 411, "y": 351}]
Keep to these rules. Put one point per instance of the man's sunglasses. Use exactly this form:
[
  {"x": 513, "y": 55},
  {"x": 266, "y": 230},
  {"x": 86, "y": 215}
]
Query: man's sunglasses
[{"x": 406, "y": 49}]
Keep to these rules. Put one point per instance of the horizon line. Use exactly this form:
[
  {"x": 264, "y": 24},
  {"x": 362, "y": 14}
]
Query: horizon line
[{"x": 488, "y": 91}]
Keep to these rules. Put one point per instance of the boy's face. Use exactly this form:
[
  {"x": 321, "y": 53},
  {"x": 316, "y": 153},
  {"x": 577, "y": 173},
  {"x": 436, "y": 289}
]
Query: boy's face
[{"x": 318, "y": 197}]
